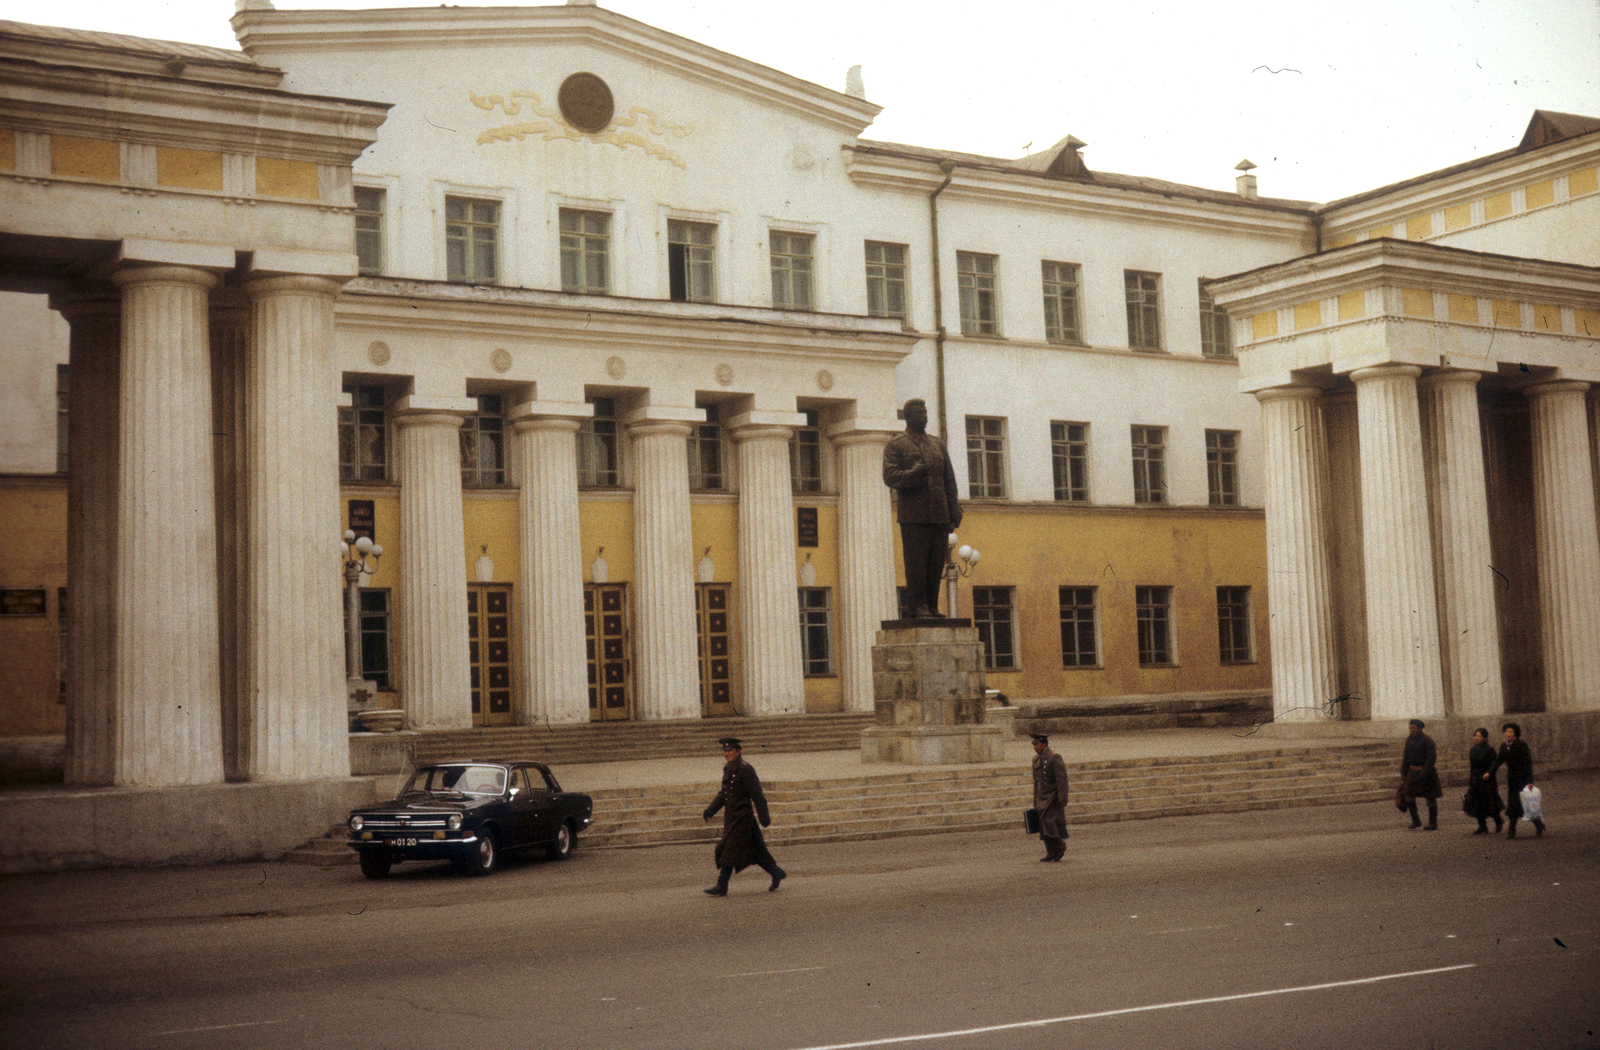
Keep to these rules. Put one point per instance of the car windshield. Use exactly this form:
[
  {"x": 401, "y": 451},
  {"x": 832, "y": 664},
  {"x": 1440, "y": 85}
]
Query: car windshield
[{"x": 465, "y": 779}]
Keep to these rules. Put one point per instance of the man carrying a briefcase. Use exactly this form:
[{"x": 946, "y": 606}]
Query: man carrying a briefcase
[{"x": 1050, "y": 798}]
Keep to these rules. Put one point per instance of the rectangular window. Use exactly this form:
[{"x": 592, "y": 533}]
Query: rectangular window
[
  {"x": 1061, "y": 303},
  {"x": 805, "y": 455},
  {"x": 691, "y": 261},
  {"x": 980, "y": 305},
  {"x": 886, "y": 280},
  {"x": 791, "y": 269},
  {"x": 992, "y": 616},
  {"x": 816, "y": 630},
  {"x": 483, "y": 444},
  {"x": 1144, "y": 309},
  {"x": 1069, "y": 461},
  {"x": 1235, "y": 639},
  {"x": 63, "y": 402},
  {"x": 585, "y": 248},
  {"x": 599, "y": 462},
  {"x": 364, "y": 435},
  {"x": 1216, "y": 335},
  {"x": 986, "y": 457},
  {"x": 706, "y": 461},
  {"x": 471, "y": 240},
  {"x": 375, "y": 647},
  {"x": 1155, "y": 626},
  {"x": 1149, "y": 464},
  {"x": 369, "y": 230},
  {"x": 1080, "y": 635},
  {"x": 1222, "y": 467},
  {"x": 63, "y": 651}
]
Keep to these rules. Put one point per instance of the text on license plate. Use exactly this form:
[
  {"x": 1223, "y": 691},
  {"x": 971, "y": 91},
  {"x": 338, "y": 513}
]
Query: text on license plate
[{"x": 402, "y": 842}]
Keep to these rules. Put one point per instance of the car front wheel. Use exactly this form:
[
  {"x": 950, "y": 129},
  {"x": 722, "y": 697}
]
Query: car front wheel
[
  {"x": 374, "y": 865},
  {"x": 486, "y": 857},
  {"x": 563, "y": 843}
]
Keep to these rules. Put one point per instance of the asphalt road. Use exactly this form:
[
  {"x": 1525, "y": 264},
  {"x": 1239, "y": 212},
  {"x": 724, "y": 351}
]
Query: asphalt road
[{"x": 1318, "y": 927}]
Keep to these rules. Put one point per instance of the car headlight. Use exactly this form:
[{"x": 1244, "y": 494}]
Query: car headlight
[
  {"x": 454, "y": 823},
  {"x": 355, "y": 823}
]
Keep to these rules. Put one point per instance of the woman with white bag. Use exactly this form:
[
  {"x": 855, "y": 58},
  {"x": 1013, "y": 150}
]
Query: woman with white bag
[{"x": 1518, "y": 760}]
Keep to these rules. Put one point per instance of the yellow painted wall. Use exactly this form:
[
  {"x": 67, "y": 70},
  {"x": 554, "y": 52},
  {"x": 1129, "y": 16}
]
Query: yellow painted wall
[
  {"x": 608, "y": 524},
  {"x": 1583, "y": 181},
  {"x": 77, "y": 158},
  {"x": 188, "y": 169},
  {"x": 276, "y": 177},
  {"x": 34, "y": 554},
  {"x": 492, "y": 523}
]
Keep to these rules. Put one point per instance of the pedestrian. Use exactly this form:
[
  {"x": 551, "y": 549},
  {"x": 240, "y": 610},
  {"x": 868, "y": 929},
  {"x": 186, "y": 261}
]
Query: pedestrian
[
  {"x": 1518, "y": 760},
  {"x": 1418, "y": 777},
  {"x": 742, "y": 805},
  {"x": 1050, "y": 798},
  {"x": 1483, "y": 787}
]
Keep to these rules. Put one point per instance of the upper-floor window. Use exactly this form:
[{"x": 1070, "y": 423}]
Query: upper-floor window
[
  {"x": 805, "y": 455},
  {"x": 369, "y": 230},
  {"x": 816, "y": 631},
  {"x": 886, "y": 280},
  {"x": 1235, "y": 641},
  {"x": 1061, "y": 313},
  {"x": 364, "y": 434},
  {"x": 986, "y": 457},
  {"x": 993, "y": 616},
  {"x": 1144, "y": 309},
  {"x": 1222, "y": 467},
  {"x": 707, "y": 462},
  {"x": 691, "y": 261},
  {"x": 63, "y": 399},
  {"x": 585, "y": 251},
  {"x": 1149, "y": 464},
  {"x": 599, "y": 458},
  {"x": 1216, "y": 335},
  {"x": 980, "y": 304},
  {"x": 1080, "y": 635},
  {"x": 792, "y": 259},
  {"x": 1069, "y": 461},
  {"x": 483, "y": 444},
  {"x": 1154, "y": 610},
  {"x": 471, "y": 240}
]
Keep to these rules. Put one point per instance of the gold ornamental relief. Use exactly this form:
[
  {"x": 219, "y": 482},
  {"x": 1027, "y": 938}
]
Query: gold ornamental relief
[{"x": 586, "y": 110}]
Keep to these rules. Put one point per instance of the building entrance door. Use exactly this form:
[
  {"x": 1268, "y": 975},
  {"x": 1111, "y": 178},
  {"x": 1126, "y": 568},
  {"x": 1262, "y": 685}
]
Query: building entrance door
[
  {"x": 605, "y": 617},
  {"x": 489, "y": 638},
  {"x": 712, "y": 606}
]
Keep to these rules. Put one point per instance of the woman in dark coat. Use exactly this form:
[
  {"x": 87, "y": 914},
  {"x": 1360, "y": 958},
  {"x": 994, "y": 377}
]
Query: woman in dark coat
[
  {"x": 743, "y": 804},
  {"x": 1518, "y": 759},
  {"x": 1484, "y": 789}
]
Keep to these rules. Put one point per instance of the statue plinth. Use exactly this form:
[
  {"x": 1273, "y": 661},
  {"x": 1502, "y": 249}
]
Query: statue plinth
[{"x": 928, "y": 691}]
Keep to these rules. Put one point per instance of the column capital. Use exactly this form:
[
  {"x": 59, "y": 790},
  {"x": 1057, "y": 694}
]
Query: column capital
[
  {"x": 87, "y": 298},
  {"x": 666, "y": 427},
  {"x": 411, "y": 411},
  {"x": 757, "y": 419},
  {"x": 301, "y": 284},
  {"x": 1443, "y": 376},
  {"x": 1389, "y": 371},
  {"x": 1291, "y": 392},
  {"x": 165, "y": 275},
  {"x": 549, "y": 415},
  {"x": 1546, "y": 387}
]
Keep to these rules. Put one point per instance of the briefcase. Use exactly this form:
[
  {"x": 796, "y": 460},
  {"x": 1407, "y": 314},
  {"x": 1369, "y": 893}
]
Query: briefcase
[{"x": 1030, "y": 821}]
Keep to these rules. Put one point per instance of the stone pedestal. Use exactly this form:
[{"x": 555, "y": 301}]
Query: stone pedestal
[{"x": 929, "y": 696}]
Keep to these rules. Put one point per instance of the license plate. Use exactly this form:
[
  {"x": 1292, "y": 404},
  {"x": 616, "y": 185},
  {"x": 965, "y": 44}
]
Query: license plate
[{"x": 402, "y": 842}]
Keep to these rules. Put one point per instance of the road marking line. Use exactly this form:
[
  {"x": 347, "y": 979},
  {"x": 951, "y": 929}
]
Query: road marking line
[
  {"x": 767, "y": 973},
  {"x": 1138, "y": 1009},
  {"x": 220, "y": 1027},
  {"x": 1187, "y": 929}
]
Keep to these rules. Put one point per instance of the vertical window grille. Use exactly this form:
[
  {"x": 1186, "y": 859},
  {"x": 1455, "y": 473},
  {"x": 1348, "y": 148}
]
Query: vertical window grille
[
  {"x": 599, "y": 462},
  {"x": 1144, "y": 309},
  {"x": 1234, "y": 635},
  {"x": 691, "y": 261},
  {"x": 1149, "y": 464},
  {"x": 1069, "y": 461},
  {"x": 805, "y": 455},
  {"x": 1061, "y": 303},
  {"x": 980, "y": 306},
  {"x": 791, "y": 270},
  {"x": 1080, "y": 640},
  {"x": 1222, "y": 467},
  {"x": 1155, "y": 626},
  {"x": 886, "y": 280},
  {"x": 706, "y": 467},
  {"x": 816, "y": 630},
  {"x": 369, "y": 230},
  {"x": 992, "y": 616},
  {"x": 1216, "y": 335},
  {"x": 986, "y": 455},
  {"x": 364, "y": 435},
  {"x": 471, "y": 240},
  {"x": 585, "y": 248},
  {"x": 63, "y": 404},
  {"x": 483, "y": 444}
]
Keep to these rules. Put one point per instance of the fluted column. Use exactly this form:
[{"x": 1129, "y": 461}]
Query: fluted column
[
  {"x": 1402, "y": 617},
  {"x": 1346, "y": 564},
  {"x": 1294, "y": 449},
  {"x": 1568, "y": 546},
  {"x": 1458, "y": 502},
  {"x": 866, "y": 559},
  {"x": 169, "y": 720},
  {"x": 230, "y": 344},
  {"x": 769, "y": 610},
  {"x": 92, "y": 441},
  {"x": 551, "y": 583},
  {"x": 434, "y": 662},
  {"x": 663, "y": 548},
  {"x": 293, "y": 724}
]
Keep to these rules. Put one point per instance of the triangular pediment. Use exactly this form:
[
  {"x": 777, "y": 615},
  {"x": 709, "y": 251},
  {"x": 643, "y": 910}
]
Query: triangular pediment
[{"x": 1548, "y": 126}]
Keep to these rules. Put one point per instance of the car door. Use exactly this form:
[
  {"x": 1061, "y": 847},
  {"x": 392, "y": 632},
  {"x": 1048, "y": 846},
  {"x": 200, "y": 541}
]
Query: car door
[{"x": 541, "y": 812}]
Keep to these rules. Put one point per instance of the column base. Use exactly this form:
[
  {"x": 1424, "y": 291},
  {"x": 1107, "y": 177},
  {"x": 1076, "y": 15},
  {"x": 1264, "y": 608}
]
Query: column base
[
  {"x": 929, "y": 697},
  {"x": 932, "y": 745}
]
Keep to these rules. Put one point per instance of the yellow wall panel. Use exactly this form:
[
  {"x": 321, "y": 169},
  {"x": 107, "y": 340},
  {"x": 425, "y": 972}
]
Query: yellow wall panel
[
  {"x": 1380, "y": 231},
  {"x": 1584, "y": 181},
  {"x": 1352, "y": 305},
  {"x": 276, "y": 177},
  {"x": 1507, "y": 314},
  {"x": 1588, "y": 323},
  {"x": 491, "y": 524},
  {"x": 1497, "y": 207},
  {"x": 1463, "y": 308},
  {"x": 1541, "y": 193},
  {"x": 8, "y": 150},
  {"x": 1307, "y": 315},
  {"x": 1419, "y": 227},
  {"x": 188, "y": 169},
  {"x": 1344, "y": 240},
  {"x": 1458, "y": 217},
  {"x": 1264, "y": 326},
  {"x": 608, "y": 524},
  {"x": 76, "y": 158},
  {"x": 1416, "y": 302},
  {"x": 1546, "y": 318}
]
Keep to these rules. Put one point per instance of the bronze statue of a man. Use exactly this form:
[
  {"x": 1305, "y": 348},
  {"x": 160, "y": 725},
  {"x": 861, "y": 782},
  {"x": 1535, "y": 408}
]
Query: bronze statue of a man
[{"x": 917, "y": 467}]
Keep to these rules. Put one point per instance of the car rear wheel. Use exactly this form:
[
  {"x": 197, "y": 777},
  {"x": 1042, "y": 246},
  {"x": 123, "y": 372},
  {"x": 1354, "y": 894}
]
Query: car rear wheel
[
  {"x": 565, "y": 839},
  {"x": 486, "y": 857},
  {"x": 374, "y": 865}
]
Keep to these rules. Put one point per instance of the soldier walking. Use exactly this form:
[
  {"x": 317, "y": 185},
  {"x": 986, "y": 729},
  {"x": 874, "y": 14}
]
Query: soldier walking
[
  {"x": 1050, "y": 798},
  {"x": 742, "y": 804}
]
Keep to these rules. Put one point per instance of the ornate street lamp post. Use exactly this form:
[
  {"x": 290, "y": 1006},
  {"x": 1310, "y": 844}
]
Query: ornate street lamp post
[
  {"x": 355, "y": 554},
  {"x": 963, "y": 560}
]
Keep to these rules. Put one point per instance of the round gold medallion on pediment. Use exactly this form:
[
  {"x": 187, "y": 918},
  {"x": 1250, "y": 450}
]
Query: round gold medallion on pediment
[{"x": 586, "y": 102}]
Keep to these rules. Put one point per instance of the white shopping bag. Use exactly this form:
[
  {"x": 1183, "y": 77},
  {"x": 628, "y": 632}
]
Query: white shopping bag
[{"x": 1530, "y": 803}]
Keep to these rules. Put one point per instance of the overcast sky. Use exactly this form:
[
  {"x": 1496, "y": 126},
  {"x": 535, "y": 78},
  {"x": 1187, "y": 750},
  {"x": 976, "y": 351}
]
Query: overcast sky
[{"x": 1328, "y": 104}]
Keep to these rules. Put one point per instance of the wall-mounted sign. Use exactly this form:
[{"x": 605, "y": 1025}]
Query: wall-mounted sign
[
  {"x": 361, "y": 519},
  {"x": 23, "y": 601},
  {"x": 805, "y": 521}
]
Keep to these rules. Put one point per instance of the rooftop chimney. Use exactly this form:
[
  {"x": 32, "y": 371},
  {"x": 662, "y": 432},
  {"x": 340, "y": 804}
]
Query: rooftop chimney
[{"x": 1246, "y": 182}]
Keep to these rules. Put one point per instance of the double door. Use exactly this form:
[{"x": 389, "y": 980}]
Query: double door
[{"x": 489, "y": 644}]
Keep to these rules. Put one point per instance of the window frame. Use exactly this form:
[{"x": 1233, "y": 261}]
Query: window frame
[
  {"x": 685, "y": 255},
  {"x": 369, "y": 230},
  {"x": 1142, "y": 294},
  {"x": 483, "y": 436},
  {"x": 978, "y": 292},
  {"x": 364, "y": 418},
  {"x": 991, "y": 617},
  {"x": 789, "y": 277},
  {"x": 466, "y": 236},
  {"x": 600, "y": 437},
  {"x": 1216, "y": 330},
  {"x": 1149, "y": 464},
  {"x": 986, "y": 457},
  {"x": 816, "y": 622},
  {"x": 1235, "y": 626},
  {"x": 708, "y": 441},
  {"x": 1062, "y": 296},
  {"x": 889, "y": 276},
  {"x": 581, "y": 248},
  {"x": 1076, "y": 624},
  {"x": 1153, "y": 613},
  {"x": 1222, "y": 467},
  {"x": 1067, "y": 452},
  {"x": 805, "y": 455}
]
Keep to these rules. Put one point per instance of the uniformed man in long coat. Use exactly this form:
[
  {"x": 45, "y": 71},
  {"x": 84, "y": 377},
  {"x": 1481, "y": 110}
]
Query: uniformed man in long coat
[
  {"x": 1050, "y": 798},
  {"x": 917, "y": 467},
  {"x": 742, "y": 804},
  {"x": 1419, "y": 777}
]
